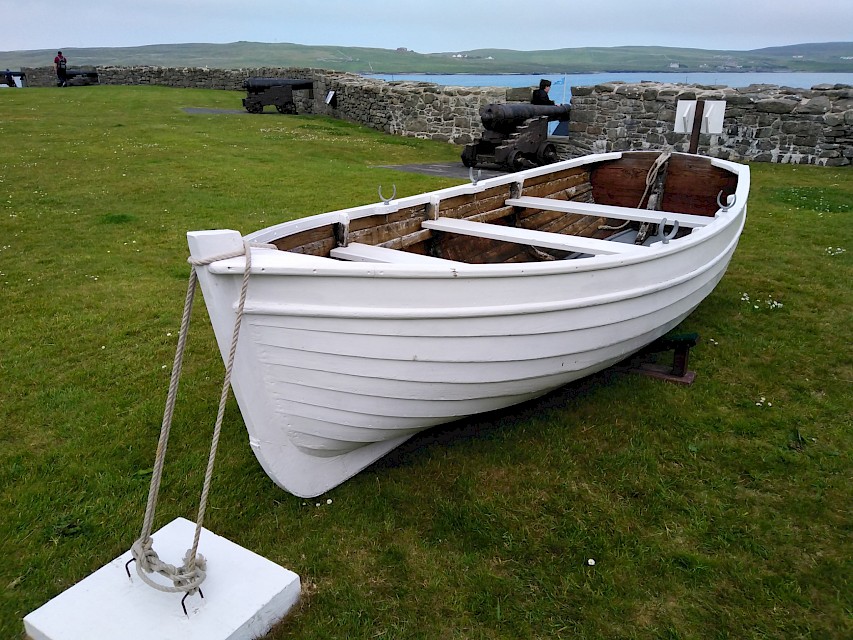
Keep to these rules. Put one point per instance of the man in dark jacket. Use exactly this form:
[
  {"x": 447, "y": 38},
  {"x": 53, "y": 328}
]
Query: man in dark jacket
[{"x": 540, "y": 95}]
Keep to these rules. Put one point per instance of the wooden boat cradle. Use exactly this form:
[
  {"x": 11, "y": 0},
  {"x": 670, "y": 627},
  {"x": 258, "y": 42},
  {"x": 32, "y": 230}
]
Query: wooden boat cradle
[{"x": 548, "y": 217}]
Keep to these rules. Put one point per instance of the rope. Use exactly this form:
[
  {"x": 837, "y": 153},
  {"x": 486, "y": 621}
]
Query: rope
[
  {"x": 192, "y": 572},
  {"x": 651, "y": 177}
]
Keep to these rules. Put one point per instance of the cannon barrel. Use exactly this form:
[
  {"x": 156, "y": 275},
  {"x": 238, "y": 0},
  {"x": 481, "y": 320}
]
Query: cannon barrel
[
  {"x": 507, "y": 116},
  {"x": 261, "y": 84}
]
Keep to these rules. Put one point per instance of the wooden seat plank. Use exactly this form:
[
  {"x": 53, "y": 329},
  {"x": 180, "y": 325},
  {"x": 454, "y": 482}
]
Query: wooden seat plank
[
  {"x": 358, "y": 252},
  {"x": 609, "y": 211},
  {"x": 559, "y": 241}
]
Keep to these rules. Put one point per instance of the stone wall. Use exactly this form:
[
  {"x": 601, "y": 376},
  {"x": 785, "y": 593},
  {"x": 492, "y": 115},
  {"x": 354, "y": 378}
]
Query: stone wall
[
  {"x": 764, "y": 123},
  {"x": 418, "y": 109}
]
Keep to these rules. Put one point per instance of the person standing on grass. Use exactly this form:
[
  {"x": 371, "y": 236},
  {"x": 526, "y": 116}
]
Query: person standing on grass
[{"x": 59, "y": 65}]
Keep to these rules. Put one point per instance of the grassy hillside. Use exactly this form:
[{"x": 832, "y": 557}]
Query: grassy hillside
[{"x": 804, "y": 57}]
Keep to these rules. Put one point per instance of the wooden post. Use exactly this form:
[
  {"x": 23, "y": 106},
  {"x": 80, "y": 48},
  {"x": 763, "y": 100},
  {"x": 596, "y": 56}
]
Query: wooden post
[{"x": 697, "y": 126}]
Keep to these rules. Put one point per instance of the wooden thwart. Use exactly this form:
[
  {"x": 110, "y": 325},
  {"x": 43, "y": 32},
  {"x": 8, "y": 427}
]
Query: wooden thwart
[
  {"x": 358, "y": 252},
  {"x": 608, "y": 211},
  {"x": 559, "y": 241}
]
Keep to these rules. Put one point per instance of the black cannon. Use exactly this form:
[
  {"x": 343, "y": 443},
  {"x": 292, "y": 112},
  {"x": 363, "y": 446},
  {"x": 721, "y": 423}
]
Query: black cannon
[
  {"x": 515, "y": 136},
  {"x": 8, "y": 78},
  {"x": 276, "y": 91},
  {"x": 82, "y": 77}
]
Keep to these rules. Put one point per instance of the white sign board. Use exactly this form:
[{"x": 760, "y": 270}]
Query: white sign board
[{"x": 712, "y": 116}]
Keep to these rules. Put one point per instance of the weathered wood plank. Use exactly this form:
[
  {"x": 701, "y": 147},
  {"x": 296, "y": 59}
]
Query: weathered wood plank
[
  {"x": 408, "y": 240},
  {"x": 318, "y": 248},
  {"x": 382, "y": 219},
  {"x": 386, "y": 232},
  {"x": 466, "y": 206},
  {"x": 607, "y": 211},
  {"x": 622, "y": 182},
  {"x": 478, "y": 250},
  {"x": 559, "y": 180},
  {"x": 527, "y": 236},
  {"x": 310, "y": 239},
  {"x": 689, "y": 181}
]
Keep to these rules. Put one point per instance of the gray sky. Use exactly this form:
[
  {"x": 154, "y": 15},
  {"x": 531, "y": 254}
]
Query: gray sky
[{"x": 427, "y": 26}]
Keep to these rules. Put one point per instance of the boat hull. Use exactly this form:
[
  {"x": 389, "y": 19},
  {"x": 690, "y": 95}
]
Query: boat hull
[{"x": 338, "y": 363}]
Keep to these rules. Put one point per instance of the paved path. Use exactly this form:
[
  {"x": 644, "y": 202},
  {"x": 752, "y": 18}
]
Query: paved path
[
  {"x": 443, "y": 169},
  {"x": 447, "y": 170},
  {"x": 201, "y": 110}
]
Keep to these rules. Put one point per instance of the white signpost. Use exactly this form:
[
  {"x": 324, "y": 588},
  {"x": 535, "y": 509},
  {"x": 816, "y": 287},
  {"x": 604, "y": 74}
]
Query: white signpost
[
  {"x": 711, "y": 118},
  {"x": 699, "y": 116}
]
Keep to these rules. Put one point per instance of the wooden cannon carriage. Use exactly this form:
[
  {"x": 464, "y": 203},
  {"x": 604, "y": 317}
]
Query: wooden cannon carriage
[
  {"x": 82, "y": 77},
  {"x": 8, "y": 78},
  {"x": 275, "y": 91},
  {"x": 515, "y": 136}
]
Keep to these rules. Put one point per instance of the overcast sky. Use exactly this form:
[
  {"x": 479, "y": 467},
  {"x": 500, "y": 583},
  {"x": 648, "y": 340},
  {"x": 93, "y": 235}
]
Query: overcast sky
[{"x": 427, "y": 26}]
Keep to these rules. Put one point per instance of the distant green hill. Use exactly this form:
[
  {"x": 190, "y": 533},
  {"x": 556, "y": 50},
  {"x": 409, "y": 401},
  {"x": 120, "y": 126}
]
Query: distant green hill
[{"x": 827, "y": 57}]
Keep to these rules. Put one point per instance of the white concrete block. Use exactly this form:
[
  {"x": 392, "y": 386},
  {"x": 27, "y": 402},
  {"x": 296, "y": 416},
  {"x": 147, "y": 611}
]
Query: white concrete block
[{"x": 244, "y": 596}]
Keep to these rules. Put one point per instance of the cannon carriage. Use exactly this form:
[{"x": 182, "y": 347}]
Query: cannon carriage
[
  {"x": 8, "y": 78},
  {"x": 82, "y": 77},
  {"x": 275, "y": 91},
  {"x": 515, "y": 136}
]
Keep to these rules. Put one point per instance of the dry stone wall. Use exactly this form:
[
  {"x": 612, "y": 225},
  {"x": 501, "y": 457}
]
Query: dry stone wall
[
  {"x": 764, "y": 123},
  {"x": 417, "y": 109}
]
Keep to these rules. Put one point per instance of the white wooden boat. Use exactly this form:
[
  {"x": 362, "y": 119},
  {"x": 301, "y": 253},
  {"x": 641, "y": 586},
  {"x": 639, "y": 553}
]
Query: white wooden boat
[{"x": 367, "y": 325}]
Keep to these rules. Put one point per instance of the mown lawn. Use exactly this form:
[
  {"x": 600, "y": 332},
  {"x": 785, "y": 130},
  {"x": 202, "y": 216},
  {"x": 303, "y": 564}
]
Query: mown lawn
[{"x": 720, "y": 510}]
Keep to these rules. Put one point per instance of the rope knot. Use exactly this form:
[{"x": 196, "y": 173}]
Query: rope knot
[
  {"x": 186, "y": 578},
  {"x": 145, "y": 556}
]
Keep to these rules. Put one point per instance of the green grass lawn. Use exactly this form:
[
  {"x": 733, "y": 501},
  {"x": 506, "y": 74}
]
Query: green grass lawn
[{"x": 720, "y": 510}]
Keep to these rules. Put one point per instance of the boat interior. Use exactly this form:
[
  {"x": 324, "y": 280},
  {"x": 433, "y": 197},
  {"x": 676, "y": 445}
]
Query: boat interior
[{"x": 614, "y": 206}]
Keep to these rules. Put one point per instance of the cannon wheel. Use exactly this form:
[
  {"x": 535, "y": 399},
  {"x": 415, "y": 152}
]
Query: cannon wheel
[
  {"x": 515, "y": 160},
  {"x": 286, "y": 108},
  {"x": 547, "y": 153},
  {"x": 254, "y": 107},
  {"x": 469, "y": 155}
]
